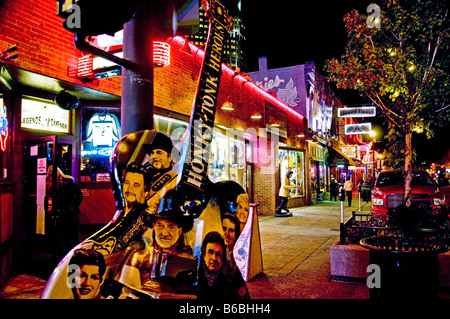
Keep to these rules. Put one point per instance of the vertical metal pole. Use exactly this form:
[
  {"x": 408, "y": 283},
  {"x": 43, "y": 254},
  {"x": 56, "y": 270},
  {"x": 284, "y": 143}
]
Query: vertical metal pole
[
  {"x": 137, "y": 82},
  {"x": 359, "y": 198}
]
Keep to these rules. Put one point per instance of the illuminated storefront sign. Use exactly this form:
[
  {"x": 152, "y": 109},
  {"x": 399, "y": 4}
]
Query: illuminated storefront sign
[
  {"x": 107, "y": 151},
  {"x": 4, "y": 127},
  {"x": 362, "y": 128},
  {"x": 365, "y": 111},
  {"x": 349, "y": 151},
  {"x": 44, "y": 116}
]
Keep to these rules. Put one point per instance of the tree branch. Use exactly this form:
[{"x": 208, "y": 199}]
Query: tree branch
[
  {"x": 380, "y": 103},
  {"x": 443, "y": 108}
]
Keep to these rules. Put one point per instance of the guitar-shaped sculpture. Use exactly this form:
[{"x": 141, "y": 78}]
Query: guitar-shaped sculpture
[{"x": 169, "y": 214}]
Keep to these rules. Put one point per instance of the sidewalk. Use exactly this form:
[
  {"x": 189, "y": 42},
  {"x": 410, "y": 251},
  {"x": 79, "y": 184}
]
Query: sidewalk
[
  {"x": 296, "y": 263},
  {"x": 296, "y": 254}
]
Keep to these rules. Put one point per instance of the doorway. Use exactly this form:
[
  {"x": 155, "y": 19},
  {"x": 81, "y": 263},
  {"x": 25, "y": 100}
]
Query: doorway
[{"x": 39, "y": 222}]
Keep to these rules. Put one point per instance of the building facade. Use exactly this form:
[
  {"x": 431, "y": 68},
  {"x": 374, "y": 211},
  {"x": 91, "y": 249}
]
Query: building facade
[
  {"x": 304, "y": 89},
  {"x": 36, "y": 133}
]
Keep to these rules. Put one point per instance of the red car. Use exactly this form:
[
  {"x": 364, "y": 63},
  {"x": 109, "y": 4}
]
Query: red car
[{"x": 388, "y": 190}]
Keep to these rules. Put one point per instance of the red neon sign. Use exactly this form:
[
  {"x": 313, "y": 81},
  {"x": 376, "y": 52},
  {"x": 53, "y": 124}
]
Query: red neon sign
[
  {"x": 161, "y": 53},
  {"x": 85, "y": 66},
  {"x": 256, "y": 89},
  {"x": 3, "y": 128}
]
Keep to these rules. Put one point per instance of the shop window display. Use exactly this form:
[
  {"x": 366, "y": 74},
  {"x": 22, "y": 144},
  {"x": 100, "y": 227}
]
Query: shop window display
[
  {"x": 100, "y": 132},
  {"x": 294, "y": 161},
  {"x": 227, "y": 160}
]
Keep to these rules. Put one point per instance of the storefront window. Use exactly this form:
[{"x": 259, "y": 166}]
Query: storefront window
[
  {"x": 227, "y": 159},
  {"x": 237, "y": 161},
  {"x": 294, "y": 161},
  {"x": 100, "y": 132},
  {"x": 5, "y": 132}
]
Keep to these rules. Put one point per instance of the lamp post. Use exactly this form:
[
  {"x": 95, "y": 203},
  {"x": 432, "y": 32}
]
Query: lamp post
[{"x": 373, "y": 134}]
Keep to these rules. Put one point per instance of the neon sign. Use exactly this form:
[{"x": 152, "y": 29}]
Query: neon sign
[
  {"x": 161, "y": 53},
  {"x": 3, "y": 128},
  {"x": 103, "y": 130},
  {"x": 85, "y": 67},
  {"x": 107, "y": 151}
]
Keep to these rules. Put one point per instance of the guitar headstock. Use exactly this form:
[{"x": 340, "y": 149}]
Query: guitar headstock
[{"x": 217, "y": 11}]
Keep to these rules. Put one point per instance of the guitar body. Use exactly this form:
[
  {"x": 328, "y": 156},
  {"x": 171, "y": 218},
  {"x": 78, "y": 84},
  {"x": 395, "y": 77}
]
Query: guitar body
[{"x": 169, "y": 215}]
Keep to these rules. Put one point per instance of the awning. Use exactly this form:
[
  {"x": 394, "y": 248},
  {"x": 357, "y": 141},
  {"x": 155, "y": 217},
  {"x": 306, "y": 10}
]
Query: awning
[
  {"x": 11, "y": 75},
  {"x": 336, "y": 157}
]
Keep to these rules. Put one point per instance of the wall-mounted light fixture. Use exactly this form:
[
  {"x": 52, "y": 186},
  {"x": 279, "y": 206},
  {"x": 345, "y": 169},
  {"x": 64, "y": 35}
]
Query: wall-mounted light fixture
[
  {"x": 275, "y": 123},
  {"x": 256, "y": 115},
  {"x": 66, "y": 101},
  {"x": 4, "y": 55},
  {"x": 227, "y": 105}
]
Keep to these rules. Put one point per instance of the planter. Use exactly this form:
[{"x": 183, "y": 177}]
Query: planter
[{"x": 409, "y": 269}]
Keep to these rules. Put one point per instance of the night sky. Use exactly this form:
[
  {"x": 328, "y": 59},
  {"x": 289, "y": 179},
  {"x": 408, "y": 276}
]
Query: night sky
[{"x": 294, "y": 32}]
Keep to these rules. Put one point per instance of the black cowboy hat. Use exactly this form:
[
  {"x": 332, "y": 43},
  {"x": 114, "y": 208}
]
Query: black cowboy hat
[
  {"x": 170, "y": 208},
  {"x": 160, "y": 141}
]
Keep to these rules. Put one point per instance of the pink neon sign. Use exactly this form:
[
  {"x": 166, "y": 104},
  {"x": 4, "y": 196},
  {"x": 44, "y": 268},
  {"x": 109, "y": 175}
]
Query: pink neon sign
[{"x": 3, "y": 128}]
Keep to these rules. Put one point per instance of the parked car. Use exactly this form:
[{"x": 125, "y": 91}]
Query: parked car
[{"x": 388, "y": 191}]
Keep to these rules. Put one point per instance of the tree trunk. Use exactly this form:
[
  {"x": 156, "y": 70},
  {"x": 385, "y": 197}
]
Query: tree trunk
[{"x": 408, "y": 168}]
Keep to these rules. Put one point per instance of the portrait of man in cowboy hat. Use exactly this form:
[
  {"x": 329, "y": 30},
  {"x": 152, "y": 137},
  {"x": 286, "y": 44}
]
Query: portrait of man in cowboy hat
[
  {"x": 167, "y": 255},
  {"x": 159, "y": 166}
]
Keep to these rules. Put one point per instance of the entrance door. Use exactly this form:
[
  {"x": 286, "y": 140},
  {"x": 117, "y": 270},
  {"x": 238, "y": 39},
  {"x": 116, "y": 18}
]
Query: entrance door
[{"x": 40, "y": 242}]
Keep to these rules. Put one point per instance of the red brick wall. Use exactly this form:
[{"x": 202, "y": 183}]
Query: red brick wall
[
  {"x": 47, "y": 48},
  {"x": 44, "y": 46},
  {"x": 175, "y": 87}
]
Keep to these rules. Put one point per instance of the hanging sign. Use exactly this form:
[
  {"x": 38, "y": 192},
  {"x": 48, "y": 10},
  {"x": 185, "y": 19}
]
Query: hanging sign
[
  {"x": 349, "y": 151},
  {"x": 362, "y": 128},
  {"x": 365, "y": 111}
]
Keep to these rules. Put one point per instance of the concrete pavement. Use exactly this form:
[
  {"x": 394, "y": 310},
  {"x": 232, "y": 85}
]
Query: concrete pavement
[{"x": 296, "y": 255}]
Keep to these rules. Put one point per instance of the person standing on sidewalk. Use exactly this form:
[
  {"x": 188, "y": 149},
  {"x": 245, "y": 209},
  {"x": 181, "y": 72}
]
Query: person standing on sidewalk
[
  {"x": 348, "y": 187},
  {"x": 284, "y": 193},
  {"x": 333, "y": 189},
  {"x": 66, "y": 211}
]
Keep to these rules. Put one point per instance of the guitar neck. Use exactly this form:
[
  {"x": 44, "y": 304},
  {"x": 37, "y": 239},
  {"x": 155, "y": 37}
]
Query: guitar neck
[{"x": 194, "y": 177}]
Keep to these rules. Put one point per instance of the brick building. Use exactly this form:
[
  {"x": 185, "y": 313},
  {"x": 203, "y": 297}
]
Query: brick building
[{"x": 40, "y": 134}]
